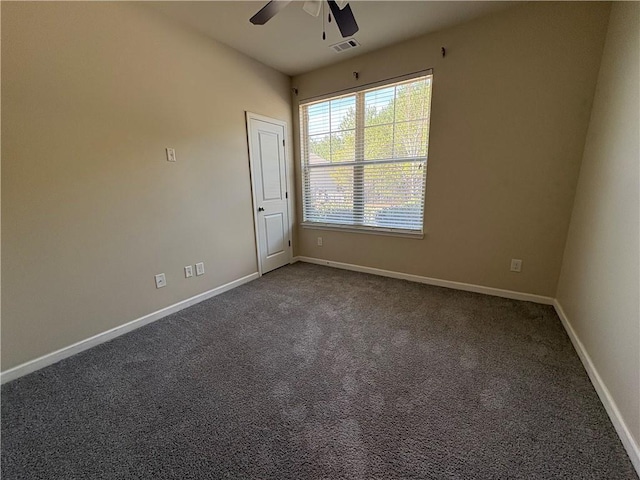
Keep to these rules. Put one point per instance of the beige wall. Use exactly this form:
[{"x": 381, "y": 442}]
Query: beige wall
[
  {"x": 511, "y": 104},
  {"x": 92, "y": 93},
  {"x": 599, "y": 286}
]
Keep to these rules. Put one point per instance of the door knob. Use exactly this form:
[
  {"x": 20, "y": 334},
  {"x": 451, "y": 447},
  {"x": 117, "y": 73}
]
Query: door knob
[{"x": 260, "y": 209}]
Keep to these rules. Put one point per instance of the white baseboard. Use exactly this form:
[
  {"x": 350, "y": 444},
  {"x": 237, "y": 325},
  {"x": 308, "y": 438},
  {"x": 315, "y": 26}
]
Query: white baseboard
[
  {"x": 630, "y": 444},
  {"x": 54, "y": 357},
  {"x": 468, "y": 287}
]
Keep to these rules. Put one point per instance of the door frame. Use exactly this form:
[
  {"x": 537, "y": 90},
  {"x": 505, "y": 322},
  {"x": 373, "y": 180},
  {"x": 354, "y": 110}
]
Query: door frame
[{"x": 254, "y": 116}]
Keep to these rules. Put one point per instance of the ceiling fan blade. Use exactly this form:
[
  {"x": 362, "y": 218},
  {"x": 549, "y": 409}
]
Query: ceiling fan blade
[
  {"x": 312, "y": 7},
  {"x": 344, "y": 18},
  {"x": 267, "y": 12}
]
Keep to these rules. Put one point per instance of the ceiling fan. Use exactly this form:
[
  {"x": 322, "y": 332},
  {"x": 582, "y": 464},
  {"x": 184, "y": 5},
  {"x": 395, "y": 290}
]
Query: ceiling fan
[{"x": 340, "y": 10}]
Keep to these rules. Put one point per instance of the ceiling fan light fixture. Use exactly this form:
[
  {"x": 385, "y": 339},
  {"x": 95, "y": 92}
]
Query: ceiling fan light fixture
[
  {"x": 342, "y": 3},
  {"x": 312, "y": 7}
]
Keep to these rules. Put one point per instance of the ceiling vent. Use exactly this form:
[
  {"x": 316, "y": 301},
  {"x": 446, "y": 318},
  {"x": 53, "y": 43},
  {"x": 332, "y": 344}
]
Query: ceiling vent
[{"x": 346, "y": 45}]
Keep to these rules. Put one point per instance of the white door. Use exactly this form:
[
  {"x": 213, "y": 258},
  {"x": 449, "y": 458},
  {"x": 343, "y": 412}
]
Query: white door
[{"x": 269, "y": 183}]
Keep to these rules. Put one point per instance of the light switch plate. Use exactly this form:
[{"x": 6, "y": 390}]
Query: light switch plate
[{"x": 171, "y": 154}]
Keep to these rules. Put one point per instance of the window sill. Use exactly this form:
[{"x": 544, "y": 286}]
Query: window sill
[{"x": 389, "y": 232}]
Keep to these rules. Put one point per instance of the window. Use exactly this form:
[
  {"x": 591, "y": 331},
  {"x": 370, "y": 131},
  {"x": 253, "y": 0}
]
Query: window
[{"x": 364, "y": 158}]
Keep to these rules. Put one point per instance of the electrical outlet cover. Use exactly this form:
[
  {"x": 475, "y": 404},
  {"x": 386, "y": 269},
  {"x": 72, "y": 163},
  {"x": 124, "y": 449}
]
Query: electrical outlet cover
[
  {"x": 161, "y": 280},
  {"x": 516, "y": 265},
  {"x": 188, "y": 271}
]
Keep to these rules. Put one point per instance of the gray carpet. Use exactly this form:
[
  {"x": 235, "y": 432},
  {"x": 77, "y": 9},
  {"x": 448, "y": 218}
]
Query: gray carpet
[{"x": 317, "y": 373}]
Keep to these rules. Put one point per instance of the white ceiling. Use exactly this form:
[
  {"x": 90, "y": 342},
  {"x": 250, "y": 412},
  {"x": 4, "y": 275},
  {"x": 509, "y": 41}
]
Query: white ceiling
[{"x": 291, "y": 42}]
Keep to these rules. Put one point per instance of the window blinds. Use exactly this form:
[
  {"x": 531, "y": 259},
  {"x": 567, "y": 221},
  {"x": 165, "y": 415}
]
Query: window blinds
[{"x": 364, "y": 157}]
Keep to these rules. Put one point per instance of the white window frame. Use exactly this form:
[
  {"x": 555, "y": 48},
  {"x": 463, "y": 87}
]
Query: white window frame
[{"x": 360, "y": 162}]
